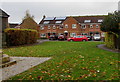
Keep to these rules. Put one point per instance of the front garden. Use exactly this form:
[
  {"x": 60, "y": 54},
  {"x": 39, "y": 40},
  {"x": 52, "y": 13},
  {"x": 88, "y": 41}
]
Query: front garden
[{"x": 70, "y": 61}]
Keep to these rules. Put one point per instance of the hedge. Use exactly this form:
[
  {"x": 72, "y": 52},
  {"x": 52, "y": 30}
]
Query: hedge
[
  {"x": 109, "y": 40},
  {"x": 16, "y": 37}
]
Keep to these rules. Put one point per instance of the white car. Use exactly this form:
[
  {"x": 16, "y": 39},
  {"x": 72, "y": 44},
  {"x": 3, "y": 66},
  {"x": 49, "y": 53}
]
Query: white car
[{"x": 96, "y": 37}]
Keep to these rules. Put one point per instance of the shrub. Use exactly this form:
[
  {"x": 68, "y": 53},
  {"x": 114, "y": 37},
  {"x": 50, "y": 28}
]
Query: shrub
[
  {"x": 109, "y": 40},
  {"x": 16, "y": 37}
]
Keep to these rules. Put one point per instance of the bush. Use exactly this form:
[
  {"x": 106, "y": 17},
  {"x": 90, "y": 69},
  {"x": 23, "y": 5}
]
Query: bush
[
  {"x": 109, "y": 40},
  {"x": 16, "y": 37}
]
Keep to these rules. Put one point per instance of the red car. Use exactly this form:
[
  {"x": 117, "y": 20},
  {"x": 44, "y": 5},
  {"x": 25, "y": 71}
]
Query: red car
[{"x": 78, "y": 38}]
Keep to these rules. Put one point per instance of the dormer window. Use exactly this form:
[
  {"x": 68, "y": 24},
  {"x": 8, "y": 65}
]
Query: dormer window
[
  {"x": 58, "y": 22},
  {"x": 100, "y": 20},
  {"x": 46, "y": 22},
  {"x": 87, "y": 21}
]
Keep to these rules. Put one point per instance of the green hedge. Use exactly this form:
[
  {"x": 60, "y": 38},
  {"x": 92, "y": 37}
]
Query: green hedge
[
  {"x": 16, "y": 37},
  {"x": 109, "y": 40}
]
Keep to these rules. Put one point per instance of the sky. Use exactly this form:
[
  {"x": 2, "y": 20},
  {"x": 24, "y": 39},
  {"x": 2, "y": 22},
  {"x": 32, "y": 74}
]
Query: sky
[{"x": 56, "y": 8}]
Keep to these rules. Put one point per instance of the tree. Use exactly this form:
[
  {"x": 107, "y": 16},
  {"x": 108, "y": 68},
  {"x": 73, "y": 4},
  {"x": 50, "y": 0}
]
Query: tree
[
  {"x": 111, "y": 26},
  {"x": 28, "y": 15},
  {"x": 111, "y": 23}
]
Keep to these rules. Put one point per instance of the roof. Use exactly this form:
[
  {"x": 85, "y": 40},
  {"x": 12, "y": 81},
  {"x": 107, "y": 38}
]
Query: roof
[
  {"x": 3, "y": 13},
  {"x": 53, "y": 20},
  {"x": 80, "y": 19},
  {"x": 13, "y": 25},
  {"x": 89, "y": 19}
]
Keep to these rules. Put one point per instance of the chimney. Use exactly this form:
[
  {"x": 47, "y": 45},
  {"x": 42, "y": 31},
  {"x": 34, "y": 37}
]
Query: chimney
[{"x": 44, "y": 16}]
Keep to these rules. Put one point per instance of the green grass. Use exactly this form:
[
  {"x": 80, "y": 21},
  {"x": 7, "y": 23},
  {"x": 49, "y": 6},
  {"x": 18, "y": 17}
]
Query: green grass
[{"x": 70, "y": 61}]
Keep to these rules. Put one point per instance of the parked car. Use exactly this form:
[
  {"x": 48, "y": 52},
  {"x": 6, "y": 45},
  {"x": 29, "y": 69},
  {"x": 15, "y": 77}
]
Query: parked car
[
  {"x": 53, "y": 37},
  {"x": 96, "y": 37},
  {"x": 78, "y": 38},
  {"x": 61, "y": 37},
  {"x": 89, "y": 37}
]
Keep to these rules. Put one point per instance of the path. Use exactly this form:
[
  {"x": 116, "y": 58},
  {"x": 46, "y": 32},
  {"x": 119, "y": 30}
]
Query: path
[{"x": 23, "y": 64}]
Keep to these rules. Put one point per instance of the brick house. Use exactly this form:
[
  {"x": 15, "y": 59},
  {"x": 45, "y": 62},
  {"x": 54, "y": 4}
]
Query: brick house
[{"x": 71, "y": 26}]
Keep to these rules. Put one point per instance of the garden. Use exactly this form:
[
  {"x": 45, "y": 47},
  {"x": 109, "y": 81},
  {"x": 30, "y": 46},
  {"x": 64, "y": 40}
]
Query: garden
[{"x": 70, "y": 61}]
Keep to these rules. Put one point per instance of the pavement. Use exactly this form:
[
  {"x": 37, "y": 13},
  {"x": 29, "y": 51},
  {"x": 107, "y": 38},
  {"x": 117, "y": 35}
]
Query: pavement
[
  {"x": 23, "y": 64},
  {"x": 102, "y": 46}
]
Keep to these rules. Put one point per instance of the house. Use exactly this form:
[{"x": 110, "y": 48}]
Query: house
[
  {"x": 13, "y": 25},
  {"x": 28, "y": 23},
  {"x": 71, "y": 26},
  {"x": 3, "y": 20}
]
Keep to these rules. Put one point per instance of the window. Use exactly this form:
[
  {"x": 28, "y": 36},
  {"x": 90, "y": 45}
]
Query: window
[
  {"x": 60, "y": 27},
  {"x": 54, "y": 27},
  {"x": 83, "y": 26},
  {"x": 72, "y": 34},
  {"x": 41, "y": 27},
  {"x": 42, "y": 35},
  {"x": 74, "y": 26},
  {"x": 66, "y": 25},
  {"x": 97, "y": 26},
  {"x": 87, "y": 21},
  {"x": 57, "y": 22},
  {"x": 91, "y": 26},
  {"x": 100, "y": 20},
  {"x": 48, "y": 27},
  {"x": 46, "y": 22}
]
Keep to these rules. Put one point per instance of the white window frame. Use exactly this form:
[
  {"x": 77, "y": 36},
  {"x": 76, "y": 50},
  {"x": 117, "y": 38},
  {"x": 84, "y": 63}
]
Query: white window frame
[
  {"x": 54, "y": 27},
  {"x": 48, "y": 26},
  {"x": 72, "y": 34},
  {"x": 41, "y": 27},
  {"x": 87, "y": 21},
  {"x": 100, "y": 20},
  {"x": 97, "y": 26},
  {"x": 74, "y": 26},
  {"x": 41, "y": 35},
  {"x": 66, "y": 25},
  {"x": 46, "y": 22},
  {"x": 91, "y": 26},
  {"x": 84, "y": 26}
]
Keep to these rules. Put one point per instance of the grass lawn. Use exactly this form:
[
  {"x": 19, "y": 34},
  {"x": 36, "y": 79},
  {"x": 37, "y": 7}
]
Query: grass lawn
[{"x": 70, "y": 61}]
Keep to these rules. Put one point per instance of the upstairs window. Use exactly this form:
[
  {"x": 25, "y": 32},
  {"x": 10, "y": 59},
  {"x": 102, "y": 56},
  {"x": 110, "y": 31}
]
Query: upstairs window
[
  {"x": 66, "y": 25},
  {"x": 74, "y": 25},
  {"x": 46, "y": 22},
  {"x": 48, "y": 27},
  {"x": 100, "y": 20},
  {"x": 97, "y": 26},
  {"x": 41, "y": 28},
  {"x": 83, "y": 26},
  {"x": 54, "y": 27},
  {"x": 91, "y": 26},
  {"x": 87, "y": 21}
]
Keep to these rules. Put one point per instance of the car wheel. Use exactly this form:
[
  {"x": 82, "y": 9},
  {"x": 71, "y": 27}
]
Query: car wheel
[
  {"x": 71, "y": 40},
  {"x": 83, "y": 40}
]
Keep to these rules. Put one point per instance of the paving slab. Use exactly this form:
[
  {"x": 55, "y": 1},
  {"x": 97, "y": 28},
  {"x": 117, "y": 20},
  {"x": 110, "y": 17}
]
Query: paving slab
[{"x": 23, "y": 64}]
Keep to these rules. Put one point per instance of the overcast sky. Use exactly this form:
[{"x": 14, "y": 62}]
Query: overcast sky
[{"x": 16, "y": 8}]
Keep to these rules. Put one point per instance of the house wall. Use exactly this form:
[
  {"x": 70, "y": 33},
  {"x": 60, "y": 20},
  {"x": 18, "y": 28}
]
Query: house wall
[
  {"x": 4, "y": 23},
  {"x": 69, "y": 21}
]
